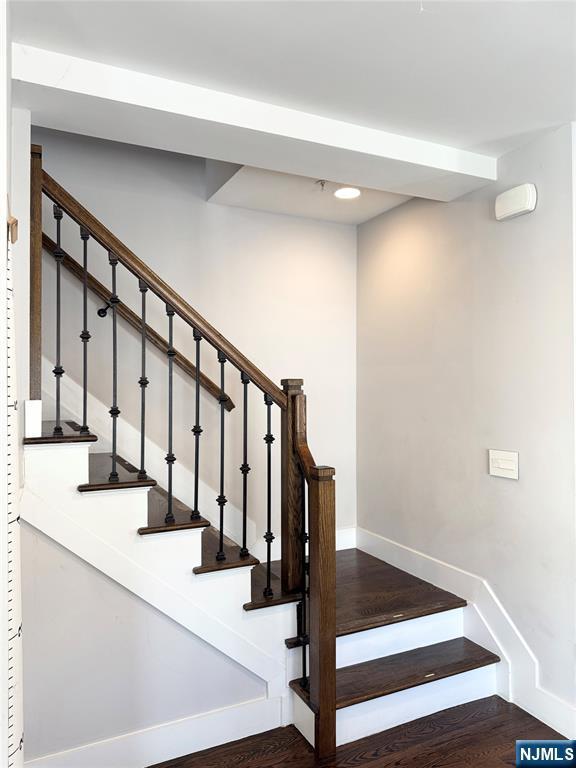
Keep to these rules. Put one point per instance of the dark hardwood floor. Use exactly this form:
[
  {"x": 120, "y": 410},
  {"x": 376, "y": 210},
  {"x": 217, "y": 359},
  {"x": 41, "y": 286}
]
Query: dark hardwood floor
[{"x": 481, "y": 734}]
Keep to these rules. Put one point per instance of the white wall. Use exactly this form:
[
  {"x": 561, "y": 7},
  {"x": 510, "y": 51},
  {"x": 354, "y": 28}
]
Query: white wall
[
  {"x": 99, "y": 662},
  {"x": 465, "y": 342},
  {"x": 282, "y": 289}
]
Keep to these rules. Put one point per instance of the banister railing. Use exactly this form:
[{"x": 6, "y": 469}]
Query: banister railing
[
  {"x": 168, "y": 295},
  {"x": 308, "y": 562},
  {"x": 158, "y": 341}
]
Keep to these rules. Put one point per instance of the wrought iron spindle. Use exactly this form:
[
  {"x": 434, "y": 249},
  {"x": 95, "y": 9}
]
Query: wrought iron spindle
[
  {"x": 58, "y": 371},
  {"x": 245, "y": 468},
  {"x": 85, "y": 335},
  {"x": 114, "y": 410},
  {"x": 268, "y": 536},
  {"x": 143, "y": 382},
  {"x": 221, "y": 500},
  {"x": 197, "y": 429},
  {"x": 170, "y": 458}
]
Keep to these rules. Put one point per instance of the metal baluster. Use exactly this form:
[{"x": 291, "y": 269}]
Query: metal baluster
[
  {"x": 143, "y": 382},
  {"x": 245, "y": 468},
  {"x": 58, "y": 371},
  {"x": 221, "y": 500},
  {"x": 114, "y": 411},
  {"x": 268, "y": 536},
  {"x": 197, "y": 429},
  {"x": 85, "y": 335},
  {"x": 170, "y": 458}
]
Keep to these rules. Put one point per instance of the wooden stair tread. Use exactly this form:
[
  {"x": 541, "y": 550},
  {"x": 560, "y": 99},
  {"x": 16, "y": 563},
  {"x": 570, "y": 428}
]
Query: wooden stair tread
[
  {"x": 71, "y": 434},
  {"x": 390, "y": 674},
  {"x": 371, "y": 593},
  {"x": 100, "y": 465},
  {"x": 210, "y": 544},
  {"x": 259, "y": 582},
  {"x": 157, "y": 508}
]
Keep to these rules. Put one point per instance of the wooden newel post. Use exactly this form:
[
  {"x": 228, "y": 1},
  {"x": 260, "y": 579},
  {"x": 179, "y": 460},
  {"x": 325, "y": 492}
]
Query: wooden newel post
[
  {"x": 322, "y": 627},
  {"x": 36, "y": 272},
  {"x": 292, "y": 493}
]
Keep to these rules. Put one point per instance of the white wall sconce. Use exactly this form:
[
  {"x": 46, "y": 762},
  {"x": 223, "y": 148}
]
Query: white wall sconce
[{"x": 516, "y": 202}]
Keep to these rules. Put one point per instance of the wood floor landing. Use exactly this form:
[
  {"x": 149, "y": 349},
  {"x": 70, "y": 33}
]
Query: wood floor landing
[
  {"x": 371, "y": 593},
  {"x": 481, "y": 734}
]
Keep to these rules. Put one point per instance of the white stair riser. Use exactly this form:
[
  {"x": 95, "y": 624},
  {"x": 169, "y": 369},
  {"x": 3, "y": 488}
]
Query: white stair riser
[
  {"x": 386, "y": 641},
  {"x": 378, "y": 715},
  {"x": 400, "y": 637},
  {"x": 56, "y": 466}
]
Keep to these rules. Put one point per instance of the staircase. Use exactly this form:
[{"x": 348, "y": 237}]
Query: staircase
[{"x": 349, "y": 645}]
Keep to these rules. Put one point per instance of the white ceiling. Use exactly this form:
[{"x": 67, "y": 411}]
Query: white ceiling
[
  {"x": 469, "y": 74},
  {"x": 78, "y": 95},
  {"x": 285, "y": 193}
]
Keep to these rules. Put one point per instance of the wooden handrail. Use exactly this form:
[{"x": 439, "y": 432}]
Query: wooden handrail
[
  {"x": 322, "y": 586},
  {"x": 132, "y": 319},
  {"x": 142, "y": 271}
]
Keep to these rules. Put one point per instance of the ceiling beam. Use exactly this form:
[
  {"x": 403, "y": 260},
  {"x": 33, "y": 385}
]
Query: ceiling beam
[{"x": 72, "y": 94}]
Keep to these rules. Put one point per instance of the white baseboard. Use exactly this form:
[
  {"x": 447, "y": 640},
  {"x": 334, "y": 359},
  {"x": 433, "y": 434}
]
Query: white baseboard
[
  {"x": 170, "y": 740},
  {"x": 346, "y": 538},
  {"x": 525, "y": 687}
]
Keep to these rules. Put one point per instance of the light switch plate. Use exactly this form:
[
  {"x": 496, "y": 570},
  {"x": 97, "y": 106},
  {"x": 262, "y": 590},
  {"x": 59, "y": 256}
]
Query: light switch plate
[{"x": 503, "y": 464}]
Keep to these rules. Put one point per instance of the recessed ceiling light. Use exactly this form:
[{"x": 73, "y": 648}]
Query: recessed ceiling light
[{"x": 347, "y": 193}]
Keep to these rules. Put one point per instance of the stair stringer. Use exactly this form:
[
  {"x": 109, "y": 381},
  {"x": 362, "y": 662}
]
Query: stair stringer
[{"x": 101, "y": 528}]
